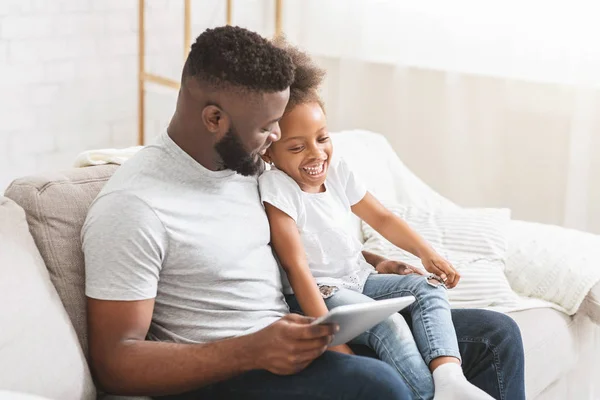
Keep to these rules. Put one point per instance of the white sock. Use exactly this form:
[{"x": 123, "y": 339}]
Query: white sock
[{"x": 451, "y": 384}]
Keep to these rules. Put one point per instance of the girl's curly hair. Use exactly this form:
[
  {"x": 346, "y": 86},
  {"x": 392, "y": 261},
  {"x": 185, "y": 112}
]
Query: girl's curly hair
[{"x": 307, "y": 78}]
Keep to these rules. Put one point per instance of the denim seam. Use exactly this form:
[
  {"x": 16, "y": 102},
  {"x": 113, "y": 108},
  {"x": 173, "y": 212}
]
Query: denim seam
[
  {"x": 496, "y": 363},
  {"x": 442, "y": 353},
  {"x": 406, "y": 380},
  {"x": 280, "y": 392}
]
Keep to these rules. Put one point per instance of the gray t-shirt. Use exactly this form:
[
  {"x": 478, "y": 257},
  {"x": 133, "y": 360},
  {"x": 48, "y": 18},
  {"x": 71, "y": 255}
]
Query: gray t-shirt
[{"x": 196, "y": 240}]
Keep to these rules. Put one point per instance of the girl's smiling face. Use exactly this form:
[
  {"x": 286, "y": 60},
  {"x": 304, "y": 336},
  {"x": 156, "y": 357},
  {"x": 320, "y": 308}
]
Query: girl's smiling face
[{"x": 304, "y": 150}]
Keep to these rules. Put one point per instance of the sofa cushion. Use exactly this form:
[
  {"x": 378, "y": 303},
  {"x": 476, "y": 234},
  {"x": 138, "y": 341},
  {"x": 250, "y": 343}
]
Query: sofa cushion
[
  {"x": 39, "y": 350},
  {"x": 550, "y": 343},
  {"x": 56, "y": 205},
  {"x": 472, "y": 239}
]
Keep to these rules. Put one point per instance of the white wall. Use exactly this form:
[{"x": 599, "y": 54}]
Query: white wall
[
  {"x": 68, "y": 73},
  {"x": 491, "y": 103},
  {"x": 492, "y": 107},
  {"x": 67, "y": 81}
]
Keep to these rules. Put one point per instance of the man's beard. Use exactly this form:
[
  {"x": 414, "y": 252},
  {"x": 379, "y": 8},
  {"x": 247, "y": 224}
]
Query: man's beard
[{"x": 235, "y": 157}]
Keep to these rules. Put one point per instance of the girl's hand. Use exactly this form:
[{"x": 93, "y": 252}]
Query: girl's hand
[
  {"x": 342, "y": 348},
  {"x": 441, "y": 267},
  {"x": 397, "y": 267}
]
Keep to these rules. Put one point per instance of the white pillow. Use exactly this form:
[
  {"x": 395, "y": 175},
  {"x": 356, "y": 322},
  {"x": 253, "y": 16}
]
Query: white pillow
[{"x": 473, "y": 240}]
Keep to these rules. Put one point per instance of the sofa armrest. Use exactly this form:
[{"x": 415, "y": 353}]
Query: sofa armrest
[
  {"x": 591, "y": 304},
  {"x": 552, "y": 263}
]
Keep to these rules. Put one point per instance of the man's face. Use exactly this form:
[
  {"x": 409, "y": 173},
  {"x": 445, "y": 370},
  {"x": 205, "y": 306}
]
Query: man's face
[
  {"x": 235, "y": 157},
  {"x": 253, "y": 127}
]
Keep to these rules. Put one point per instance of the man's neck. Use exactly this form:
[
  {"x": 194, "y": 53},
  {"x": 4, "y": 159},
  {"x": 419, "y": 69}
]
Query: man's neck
[{"x": 197, "y": 145}]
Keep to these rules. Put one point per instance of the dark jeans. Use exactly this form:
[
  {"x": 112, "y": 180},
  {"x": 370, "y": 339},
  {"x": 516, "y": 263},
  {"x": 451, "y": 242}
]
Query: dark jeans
[
  {"x": 331, "y": 376},
  {"x": 492, "y": 352},
  {"x": 489, "y": 342}
]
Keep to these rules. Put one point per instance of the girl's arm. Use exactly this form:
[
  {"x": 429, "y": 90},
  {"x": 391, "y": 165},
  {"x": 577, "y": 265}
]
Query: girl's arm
[
  {"x": 286, "y": 242},
  {"x": 394, "y": 229}
]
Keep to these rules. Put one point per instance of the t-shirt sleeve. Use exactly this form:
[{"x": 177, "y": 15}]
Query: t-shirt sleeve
[
  {"x": 124, "y": 244},
  {"x": 279, "y": 190},
  {"x": 353, "y": 186}
]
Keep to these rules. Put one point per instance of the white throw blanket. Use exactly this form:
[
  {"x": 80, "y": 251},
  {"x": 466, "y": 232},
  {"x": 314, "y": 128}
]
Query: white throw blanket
[
  {"x": 105, "y": 156},
  {"x": 552, "y": 263}
]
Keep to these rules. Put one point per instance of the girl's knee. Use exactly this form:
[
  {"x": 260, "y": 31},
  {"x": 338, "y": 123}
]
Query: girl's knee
[
  {"x": 394, "y": 326},
  {"x": 429, "y": 288}
]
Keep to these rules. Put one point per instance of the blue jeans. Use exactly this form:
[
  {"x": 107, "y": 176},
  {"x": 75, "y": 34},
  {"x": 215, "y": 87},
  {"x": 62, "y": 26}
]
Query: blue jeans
[
  {"x": 331, "y": 376},
  {"x": 489, "y": 342},
  {"x": 409, "y": 353}
]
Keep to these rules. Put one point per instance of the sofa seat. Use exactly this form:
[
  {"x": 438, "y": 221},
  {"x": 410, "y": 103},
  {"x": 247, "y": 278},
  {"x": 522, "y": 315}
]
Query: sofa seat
[{"x": 549, "y": 339}]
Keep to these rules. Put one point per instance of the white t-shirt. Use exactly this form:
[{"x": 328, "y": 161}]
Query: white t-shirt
[
  {"x": 324, "y": 222},
  {"x": 197, "y": 241}
]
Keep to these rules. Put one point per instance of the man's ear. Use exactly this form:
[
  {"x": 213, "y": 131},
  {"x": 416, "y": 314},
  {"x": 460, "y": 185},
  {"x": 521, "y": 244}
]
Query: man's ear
[
  {"x": 214, "y": 119},
  {"x": 267, "y": 156}
]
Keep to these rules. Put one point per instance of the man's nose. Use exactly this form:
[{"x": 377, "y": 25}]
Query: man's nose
[{"x": 275, "y": 134}]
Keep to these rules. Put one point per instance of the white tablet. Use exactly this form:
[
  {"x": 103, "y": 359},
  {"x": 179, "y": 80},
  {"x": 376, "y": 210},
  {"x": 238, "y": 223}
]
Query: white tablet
[{"x": 354, "y": 319}]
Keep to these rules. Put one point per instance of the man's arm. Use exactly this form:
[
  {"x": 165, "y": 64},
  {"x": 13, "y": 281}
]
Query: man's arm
[
  {"x": 373, "y": 259},
  {"x": 123, "y": 362},
  {"x": 385, "y": 266}
]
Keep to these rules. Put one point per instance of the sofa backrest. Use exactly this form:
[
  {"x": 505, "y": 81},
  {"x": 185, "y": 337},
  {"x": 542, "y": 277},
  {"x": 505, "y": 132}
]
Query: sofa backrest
[
  {"x": 378, "y": 166},
  {"x": 39, "y": 350},
  {"x": 56, "y": 205}
]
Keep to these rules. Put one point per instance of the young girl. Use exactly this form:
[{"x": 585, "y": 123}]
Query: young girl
[{"x": 309, "y": 196}]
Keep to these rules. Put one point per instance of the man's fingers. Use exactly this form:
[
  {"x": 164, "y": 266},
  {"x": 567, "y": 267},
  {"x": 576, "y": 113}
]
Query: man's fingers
[
  {"x": 403, "y": 269},
  {"x": 304, "y": 332},
  {"x": 407, "y": 269},
  {"x": 299, "y": 319},
  {"x": 305, "y": 348},
  {"x": 418, "y": 271}
]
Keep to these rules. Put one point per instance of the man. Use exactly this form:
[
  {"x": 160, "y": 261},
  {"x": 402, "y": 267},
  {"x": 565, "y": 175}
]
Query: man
[{"x": 177, "y": 252}]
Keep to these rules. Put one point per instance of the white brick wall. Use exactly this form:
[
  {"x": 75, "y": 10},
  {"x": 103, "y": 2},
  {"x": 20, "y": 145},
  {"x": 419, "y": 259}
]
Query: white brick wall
[
  {"x": 67, "y": 78},
  {"x": 68, "y": 73}
]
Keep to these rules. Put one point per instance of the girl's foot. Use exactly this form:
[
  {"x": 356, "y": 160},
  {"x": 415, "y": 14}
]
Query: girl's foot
[{"x": 451, "y": 384}]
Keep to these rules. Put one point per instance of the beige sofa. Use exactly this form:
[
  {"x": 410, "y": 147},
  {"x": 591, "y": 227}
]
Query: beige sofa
[{"x": 42, "y": 305}]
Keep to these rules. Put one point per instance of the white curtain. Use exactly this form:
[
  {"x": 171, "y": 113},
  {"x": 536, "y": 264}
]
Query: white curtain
[{"x": 493, "y": 103}]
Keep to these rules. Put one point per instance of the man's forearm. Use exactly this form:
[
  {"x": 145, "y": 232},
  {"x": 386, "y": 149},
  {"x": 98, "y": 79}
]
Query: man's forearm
[
  {"x": 373, "y": 258},
  {"x": 158, "y": 368}
]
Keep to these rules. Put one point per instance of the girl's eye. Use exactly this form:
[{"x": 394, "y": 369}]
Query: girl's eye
[
  {"x": 323, "y": 139},
  {"x": 297, "y": 149}
]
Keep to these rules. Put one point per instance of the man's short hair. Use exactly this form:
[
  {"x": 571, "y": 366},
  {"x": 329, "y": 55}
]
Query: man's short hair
[{"x": 230, "y": 57}]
